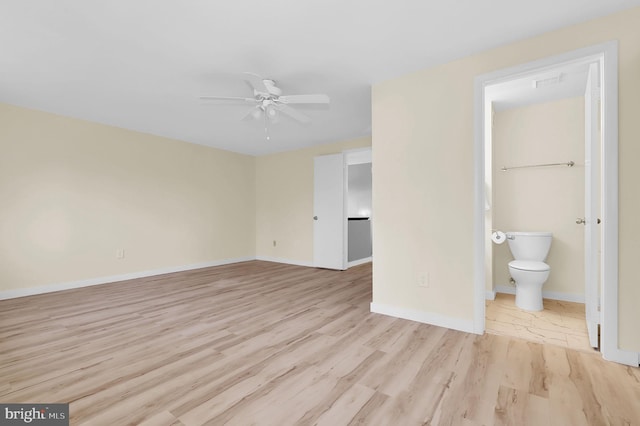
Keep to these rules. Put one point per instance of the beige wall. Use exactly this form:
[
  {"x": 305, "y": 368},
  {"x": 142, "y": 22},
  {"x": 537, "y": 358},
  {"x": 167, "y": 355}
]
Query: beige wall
[
  {"x": 423, "y": 173},
  {"x": 541, "y": 199},
  {"x": 74, "y": 192},
  {"x": 284, "y": 201}
]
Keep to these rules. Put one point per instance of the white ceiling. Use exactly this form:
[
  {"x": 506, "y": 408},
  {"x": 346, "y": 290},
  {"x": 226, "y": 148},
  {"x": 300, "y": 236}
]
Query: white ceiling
[
  {"x": 141, "y": 65},
  {"x": 562, "y": 82}
]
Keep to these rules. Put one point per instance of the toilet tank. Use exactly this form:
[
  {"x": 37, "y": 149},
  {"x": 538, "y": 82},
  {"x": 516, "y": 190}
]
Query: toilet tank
[{"x": 529, "y": 245}]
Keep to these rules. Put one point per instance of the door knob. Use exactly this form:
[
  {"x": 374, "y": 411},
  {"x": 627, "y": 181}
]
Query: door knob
[
  {"x": 315, "y": 218},
  {"x": 580, "y": 220}
]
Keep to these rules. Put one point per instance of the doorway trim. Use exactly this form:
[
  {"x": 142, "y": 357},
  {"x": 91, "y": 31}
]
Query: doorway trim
[{"x": 607, "y": 55}]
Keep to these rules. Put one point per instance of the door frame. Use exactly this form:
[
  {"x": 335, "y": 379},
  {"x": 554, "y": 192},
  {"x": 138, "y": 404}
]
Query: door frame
[
  {"x": 607, "y": 55},
  {"x": 592, "y": 126}
]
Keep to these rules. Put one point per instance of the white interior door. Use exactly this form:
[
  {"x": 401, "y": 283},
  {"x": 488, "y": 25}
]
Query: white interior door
[
  {"x": 329, "y": 212},
  {"x": 592, "y": 204}
]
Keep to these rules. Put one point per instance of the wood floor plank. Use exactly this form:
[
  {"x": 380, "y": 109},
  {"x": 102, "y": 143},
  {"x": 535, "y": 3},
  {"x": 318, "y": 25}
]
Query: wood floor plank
[
  {"x": 478, "y": 375},
  {"x": 565, "y": 403},
  {"x": 579, "y": 375},
  {"x": 271, "y": 344},
  {"x": 518, "y": 354},
  {"x": 163, "y": 418},
  {"x": 367, "y": 412},
  {"x": 345, "y": 408},
  {"x": 616, "y": 410},
  {"x": 517, "y": 407}
]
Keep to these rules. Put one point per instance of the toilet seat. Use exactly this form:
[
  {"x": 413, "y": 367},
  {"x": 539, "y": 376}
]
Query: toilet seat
[{"x": 529, "y": 265}]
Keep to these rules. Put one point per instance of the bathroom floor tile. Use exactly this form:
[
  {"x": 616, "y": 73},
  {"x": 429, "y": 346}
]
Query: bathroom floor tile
[{"x": 560, "y": 323}]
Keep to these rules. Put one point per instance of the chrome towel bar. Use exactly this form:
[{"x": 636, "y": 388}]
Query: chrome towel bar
[{"x": 569, "y": 164}]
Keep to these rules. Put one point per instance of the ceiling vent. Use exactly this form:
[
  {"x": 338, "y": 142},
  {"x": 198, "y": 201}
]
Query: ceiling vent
[{"x": 551, "y": 81}]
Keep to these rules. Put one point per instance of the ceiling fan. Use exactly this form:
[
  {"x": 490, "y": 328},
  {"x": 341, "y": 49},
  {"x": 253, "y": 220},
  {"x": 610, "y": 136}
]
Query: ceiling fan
[{"x": 268, "y": 101}]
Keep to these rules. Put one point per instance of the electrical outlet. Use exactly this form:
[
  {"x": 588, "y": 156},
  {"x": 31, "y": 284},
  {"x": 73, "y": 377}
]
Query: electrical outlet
[
  {"x": 274, "y": 243},
  {"x": 120, "y": 254}
]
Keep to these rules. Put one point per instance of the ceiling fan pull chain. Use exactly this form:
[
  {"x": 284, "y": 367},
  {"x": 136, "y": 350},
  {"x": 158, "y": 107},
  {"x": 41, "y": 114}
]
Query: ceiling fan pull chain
[{"x": 266, "y": 125}]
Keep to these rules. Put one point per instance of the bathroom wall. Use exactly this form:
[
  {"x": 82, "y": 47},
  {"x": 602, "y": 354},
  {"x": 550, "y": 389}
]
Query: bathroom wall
[{"x": 546, "y": 198}]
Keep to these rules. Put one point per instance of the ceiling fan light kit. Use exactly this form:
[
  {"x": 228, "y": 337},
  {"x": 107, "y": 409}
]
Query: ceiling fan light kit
[{"x": 269, "y": 102}]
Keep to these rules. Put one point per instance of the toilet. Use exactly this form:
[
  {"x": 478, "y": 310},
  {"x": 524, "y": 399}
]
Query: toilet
[{"x": 530, "y": 250}]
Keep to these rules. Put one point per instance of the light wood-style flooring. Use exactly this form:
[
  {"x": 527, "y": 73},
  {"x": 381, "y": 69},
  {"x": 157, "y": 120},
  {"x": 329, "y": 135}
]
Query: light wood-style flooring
[
  {"x": 270, "y": 344},
  {"x": 560, "y": 323}
]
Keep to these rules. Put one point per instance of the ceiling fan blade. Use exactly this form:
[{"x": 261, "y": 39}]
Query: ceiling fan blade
[
  {"x": 287, "y": 110},
  {"x": 256, "y": 82},
  {"x": 304, "y": 99},
  {"x": 227, "y": 98}
]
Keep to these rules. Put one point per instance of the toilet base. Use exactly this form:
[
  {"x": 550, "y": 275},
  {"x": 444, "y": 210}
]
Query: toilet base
[{"x": 529, "y": 297}]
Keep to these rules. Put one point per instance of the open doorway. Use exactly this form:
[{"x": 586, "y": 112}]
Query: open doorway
[
  {"x": 333, "y": 207},
  {"x": 606, "y": 57},
  {"x": 536, "y": 178},
  {"x": 359, "y": 209}
]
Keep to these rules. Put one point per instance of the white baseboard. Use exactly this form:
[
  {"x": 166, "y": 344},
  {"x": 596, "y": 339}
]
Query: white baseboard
[
  {"x": 505, "y": 289},
  {"x": 423, "y": 317},
  {"x": 21, "y": 292},
  {"x": 359, "y": 262},
  {"x": 490, "y": 295},
  {"x": 309, "y": 264},
  {"x": 282, "y": 260},
  {"x": 566, "y": 297},
  {"x": 554, "y": 295}
]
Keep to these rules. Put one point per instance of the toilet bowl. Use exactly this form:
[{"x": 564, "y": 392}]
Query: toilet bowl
[
  {"x": 528, "y": 270},
  {"x": 529, "y": 277}
]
